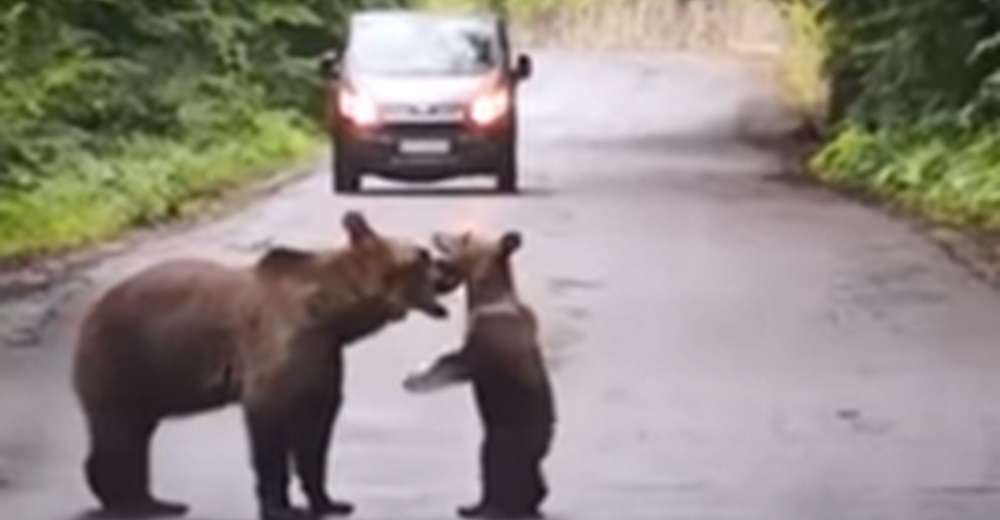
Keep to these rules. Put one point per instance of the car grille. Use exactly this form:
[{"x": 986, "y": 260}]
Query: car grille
[
  {"x": 419, "y": 114},
  {"x": 423, "y": 129}
]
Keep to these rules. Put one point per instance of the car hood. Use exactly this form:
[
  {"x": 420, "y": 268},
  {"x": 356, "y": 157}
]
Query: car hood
[{"x": 421, "y": 89}]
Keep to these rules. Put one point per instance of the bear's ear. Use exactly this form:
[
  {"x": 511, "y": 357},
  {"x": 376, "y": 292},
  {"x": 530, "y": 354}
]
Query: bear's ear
[
  {"x": 357, "y": 227},
  {"x": 285, "y": 260},
  {"x": 510, "y": 242}
]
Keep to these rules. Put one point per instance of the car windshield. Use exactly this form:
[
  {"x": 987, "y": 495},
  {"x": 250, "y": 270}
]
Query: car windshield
[{"x": 415, "y": 46}]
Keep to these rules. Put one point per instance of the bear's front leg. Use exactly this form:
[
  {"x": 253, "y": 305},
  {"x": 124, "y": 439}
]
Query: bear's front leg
[
  {"x": 269, "y": 447},
  {"x": 312, "y": 427}
]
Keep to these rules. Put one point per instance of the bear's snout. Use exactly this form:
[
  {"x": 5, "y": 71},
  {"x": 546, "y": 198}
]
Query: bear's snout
[{"x": 445, "y": 276}]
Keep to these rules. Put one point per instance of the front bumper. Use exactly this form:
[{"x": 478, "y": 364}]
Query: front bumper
[{"x": 426, "y": 151}]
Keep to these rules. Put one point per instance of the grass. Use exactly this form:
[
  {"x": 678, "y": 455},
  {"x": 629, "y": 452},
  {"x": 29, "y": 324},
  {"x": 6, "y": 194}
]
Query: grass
[
  {"x": 91, "y": 199},
  {"x": 949, "y": 178}
]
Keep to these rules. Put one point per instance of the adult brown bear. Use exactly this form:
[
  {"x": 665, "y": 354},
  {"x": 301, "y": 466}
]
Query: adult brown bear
[
  {"x": 188, "y": 336},
  {"x": 501, "y": 357}
]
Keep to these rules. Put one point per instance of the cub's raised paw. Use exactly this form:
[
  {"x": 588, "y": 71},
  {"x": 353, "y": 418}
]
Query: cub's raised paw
[
  {"x": 431, "y": 378},
  {"x": 419, "y": 382}
]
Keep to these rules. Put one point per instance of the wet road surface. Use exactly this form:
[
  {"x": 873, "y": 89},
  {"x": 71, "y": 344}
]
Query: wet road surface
[{"x": 723, "y": 345}]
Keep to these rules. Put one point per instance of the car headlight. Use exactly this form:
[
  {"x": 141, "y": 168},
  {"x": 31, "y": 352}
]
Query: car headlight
[
  {"x": 490, "y": 106},
  {"x": 358, "y": 108}
]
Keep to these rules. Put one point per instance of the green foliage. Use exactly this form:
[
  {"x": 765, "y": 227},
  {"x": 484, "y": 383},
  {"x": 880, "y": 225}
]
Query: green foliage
[
  {"x": 151, "y": 179},
  {"x": 85, "y": 73},
  {"x": 915, "y": 99},
  {"x": 913, "y": 57},
  {"x": 87, "y": 86}
]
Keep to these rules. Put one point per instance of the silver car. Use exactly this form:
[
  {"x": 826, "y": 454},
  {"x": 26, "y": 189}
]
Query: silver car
[{"x": 424, "y": 96}]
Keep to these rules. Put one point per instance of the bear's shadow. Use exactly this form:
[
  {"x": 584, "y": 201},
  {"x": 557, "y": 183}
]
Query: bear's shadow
[{"x": 95, "y": 514}]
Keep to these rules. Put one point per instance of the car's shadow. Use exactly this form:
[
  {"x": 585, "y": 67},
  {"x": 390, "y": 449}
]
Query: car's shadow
[{"x": 448, "y": 192}]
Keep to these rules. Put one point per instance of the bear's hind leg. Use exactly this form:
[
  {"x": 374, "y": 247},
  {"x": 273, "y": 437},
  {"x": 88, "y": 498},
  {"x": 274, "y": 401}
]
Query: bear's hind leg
[
  {"x": 491, "y": 471},
  {"x": 117, "y": 467},
  {"x": 532, "y": 447},
  {"x": 313, "y": 424},
  {"x": 535, "y": 447},
  {"x": 535, "y": 490},
  {"x": 513, "y": 482},
  {"x": 269, "y": 450}
]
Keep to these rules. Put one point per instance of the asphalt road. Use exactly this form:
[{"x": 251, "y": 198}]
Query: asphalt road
[{"x": 724, "y": 345}]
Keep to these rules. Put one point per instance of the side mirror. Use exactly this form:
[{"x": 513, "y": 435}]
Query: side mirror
[
  {"x": 329, "y": 65},
  {"x": 523, "y": 67}
]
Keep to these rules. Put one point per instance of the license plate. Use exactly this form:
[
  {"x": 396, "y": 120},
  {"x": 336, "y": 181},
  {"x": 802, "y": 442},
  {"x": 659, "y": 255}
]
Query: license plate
[{"x": 425, "y": 146}]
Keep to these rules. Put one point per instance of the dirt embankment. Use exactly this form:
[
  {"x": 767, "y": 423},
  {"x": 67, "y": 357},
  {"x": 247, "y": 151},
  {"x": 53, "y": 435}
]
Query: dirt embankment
[{"x": 747, "y": 27}]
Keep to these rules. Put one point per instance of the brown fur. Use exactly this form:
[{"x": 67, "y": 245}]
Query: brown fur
[
  {"x": 502, "y": 359},
  {"x": 188, "y": 336}
]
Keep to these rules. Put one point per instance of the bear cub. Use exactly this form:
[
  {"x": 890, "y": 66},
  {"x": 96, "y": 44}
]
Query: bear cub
[{"x": 502, "y": 360}]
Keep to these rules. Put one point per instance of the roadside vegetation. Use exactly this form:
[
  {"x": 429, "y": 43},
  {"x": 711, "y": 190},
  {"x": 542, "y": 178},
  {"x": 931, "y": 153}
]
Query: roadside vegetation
[
  {"x": 914, "y": 103},
  {"x": 117, "y": 113}
]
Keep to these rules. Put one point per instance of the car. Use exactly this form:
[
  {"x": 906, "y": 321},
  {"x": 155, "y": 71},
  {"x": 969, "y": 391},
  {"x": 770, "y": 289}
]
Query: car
[{"x": 421, "y": 96}]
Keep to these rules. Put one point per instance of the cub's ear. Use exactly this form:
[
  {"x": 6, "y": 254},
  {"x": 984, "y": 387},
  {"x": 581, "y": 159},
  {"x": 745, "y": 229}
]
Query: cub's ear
[
  {"x": 510, "y": 242},
  {"x": 286, "y": 260},
  {"x": 357, "y": 227}
]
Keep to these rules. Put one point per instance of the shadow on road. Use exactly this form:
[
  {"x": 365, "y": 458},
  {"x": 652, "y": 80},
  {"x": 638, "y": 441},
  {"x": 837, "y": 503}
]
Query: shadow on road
[
  {"x": 96, "y": 514},
  {"x": 449, "y": 192}
]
